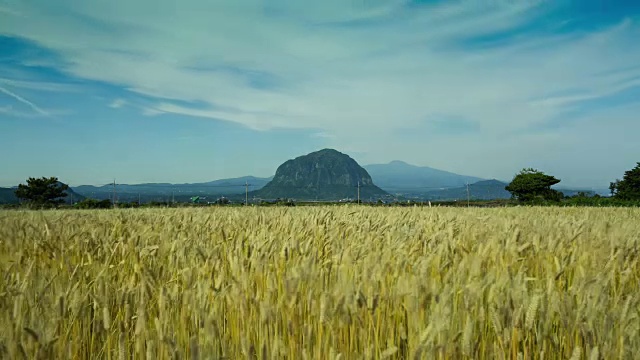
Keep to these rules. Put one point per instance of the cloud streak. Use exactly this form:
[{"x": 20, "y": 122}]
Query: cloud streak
[
  {"x": 40, "y": 85},
  {"x": 19, "y": 98}
]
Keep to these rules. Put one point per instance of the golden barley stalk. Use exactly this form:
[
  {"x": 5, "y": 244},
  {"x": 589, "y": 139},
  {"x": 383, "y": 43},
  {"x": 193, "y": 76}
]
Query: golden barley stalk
[
  {"x": 532, "y": 311},
  {"x": 467, "y": 336}
]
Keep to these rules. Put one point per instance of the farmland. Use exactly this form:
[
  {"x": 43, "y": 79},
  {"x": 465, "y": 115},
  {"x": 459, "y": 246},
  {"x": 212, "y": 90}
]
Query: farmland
[{"x": 326, "y": 282}]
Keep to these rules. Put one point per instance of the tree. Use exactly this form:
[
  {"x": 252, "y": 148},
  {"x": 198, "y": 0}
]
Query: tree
[
  {"x": 43, "y": 191},
  {"x": 531, "y": 184},
  {"x": 629, "y": 187},
  {"x": 613, "y": 186}
]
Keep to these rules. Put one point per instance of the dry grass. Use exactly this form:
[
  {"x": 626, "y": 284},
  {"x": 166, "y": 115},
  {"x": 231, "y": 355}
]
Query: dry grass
[{"x": 321, "y": 283}]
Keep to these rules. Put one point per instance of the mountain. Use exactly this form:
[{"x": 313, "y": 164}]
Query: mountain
[
  {"x": 400, "y": 177},
  {"x": 481, "y": 190},
  {"x": 323, "y": 175},
  {"x": 169, "y": 192},
  {"x": 576, "y": 191},
  {"x": 8, "y": 196}
]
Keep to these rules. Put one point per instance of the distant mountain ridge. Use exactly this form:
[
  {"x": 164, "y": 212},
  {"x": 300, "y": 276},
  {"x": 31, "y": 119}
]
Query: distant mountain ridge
[
  {"x": 8, "y": 196},
  {"x": 482, "y": 190},
  {"x": 170, "y": 192},
  {"x": 325, "y": 174},
  {"x": 399, "y": 176}
]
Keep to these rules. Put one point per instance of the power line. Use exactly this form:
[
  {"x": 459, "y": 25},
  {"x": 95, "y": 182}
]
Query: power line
[
  {"x": 164, "y": 186},
  {"x": 196, "y": 186},
  {"x": 155, "y": 190}
]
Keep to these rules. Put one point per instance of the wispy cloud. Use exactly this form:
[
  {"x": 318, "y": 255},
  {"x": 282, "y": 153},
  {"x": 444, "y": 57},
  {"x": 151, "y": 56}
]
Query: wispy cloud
[
  {"x": 118, "y": 103},
  {"x": 590, "y": 94},
  {"x": 40, "y": 85},
  {"x": 21, "y": 99}
]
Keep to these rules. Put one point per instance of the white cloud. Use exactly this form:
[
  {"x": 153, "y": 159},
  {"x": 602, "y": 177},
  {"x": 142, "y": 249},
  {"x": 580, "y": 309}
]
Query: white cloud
[{"x": 355, "y": 70}]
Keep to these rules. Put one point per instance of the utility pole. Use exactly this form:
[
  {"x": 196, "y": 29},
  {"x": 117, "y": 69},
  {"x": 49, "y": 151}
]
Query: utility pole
[
  {"x": 114, "y": 194},
  {"x": 246, "y": 193},
  {"x": 139, "y": 199},
  {"x": 468, "y": 196},
  {"x": 358, "y": 192},
  {"x": 173, "y": 197}
]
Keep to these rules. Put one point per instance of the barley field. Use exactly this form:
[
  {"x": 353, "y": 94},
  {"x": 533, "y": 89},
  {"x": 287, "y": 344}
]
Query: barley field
[{"x": 344, "y": 282}]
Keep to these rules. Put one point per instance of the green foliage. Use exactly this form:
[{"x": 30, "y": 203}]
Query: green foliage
[
  {"x": 42, "y": 192},
  {"x": 285, "y": 202},
  {"x": 598, "y": 201},
  {"x": 534, "y": 186},
  {"x": 93, "y": 204},
  {"x": 629, "y": 187},
  {"x": 157, "y": 204}
]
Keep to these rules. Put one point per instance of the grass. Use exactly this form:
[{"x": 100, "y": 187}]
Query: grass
[{"x": 320, "y": 282}]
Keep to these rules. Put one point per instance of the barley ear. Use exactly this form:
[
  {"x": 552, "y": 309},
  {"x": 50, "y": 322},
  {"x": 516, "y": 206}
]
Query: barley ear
[
  {"x": 577, "y": 353},
  {"x": 532, "y": 311},
  {"x": 122, "y": 351},
  {"x": 467, "y": 336}
]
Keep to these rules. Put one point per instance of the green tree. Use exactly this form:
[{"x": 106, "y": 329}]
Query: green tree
[
  {"x": 629, "y": 187},
  {"x": 613, "y": 186},
  {"x": 531, "y": 184},
  {"x": 43, "y": 191}
]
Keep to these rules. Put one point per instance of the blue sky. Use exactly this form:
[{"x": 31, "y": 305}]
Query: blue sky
[{"x": 196, "y": 90}]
